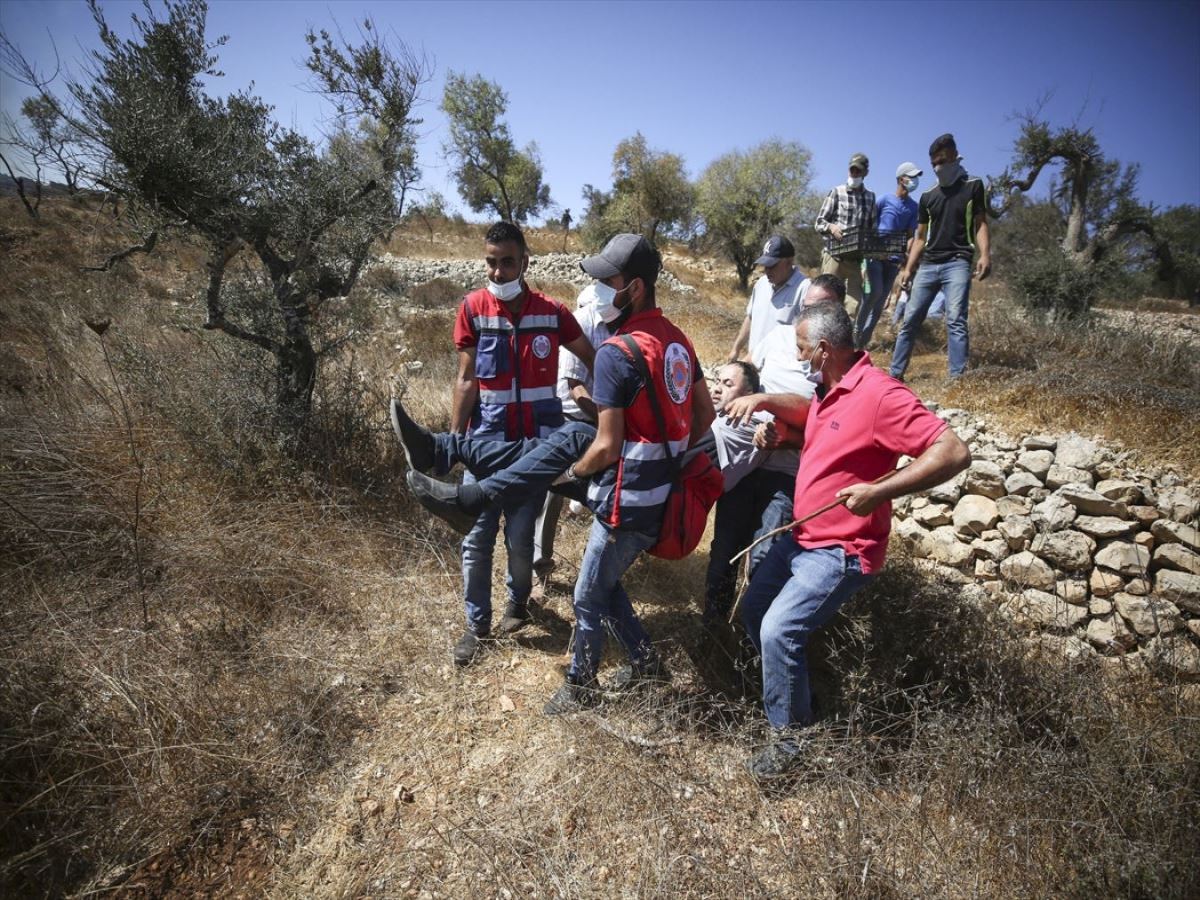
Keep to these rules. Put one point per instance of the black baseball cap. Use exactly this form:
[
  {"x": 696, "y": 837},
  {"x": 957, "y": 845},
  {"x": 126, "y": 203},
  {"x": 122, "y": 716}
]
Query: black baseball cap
[
  {"x": 776, "y": 248},
  {"x": 626, "y": 254}
]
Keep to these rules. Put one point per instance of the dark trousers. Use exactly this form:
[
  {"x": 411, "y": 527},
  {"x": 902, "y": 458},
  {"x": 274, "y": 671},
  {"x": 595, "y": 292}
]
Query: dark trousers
[{"x": 761, "y": 502}]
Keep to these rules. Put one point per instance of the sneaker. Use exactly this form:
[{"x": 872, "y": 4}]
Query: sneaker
[
  {"x": 778, "y": 759},
  {"x": 644, "y": 675},
  {"x": 417, "y": 442},
  {"x": 468, "y": 647},
  {"x": 441, "y": 499},
  {"x": 516, "y": 615},
  {"x": 573, "y": 697}
]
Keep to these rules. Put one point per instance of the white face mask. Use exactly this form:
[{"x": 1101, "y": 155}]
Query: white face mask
[
  {"x": 854, "y": 183},
  {"x": 816, "y": 376},
  {"x": 910, "y": 184},
  {"x": 587, "y": 296},
  {"x": 506, "y": 292},
  {"x": 606, "y": 307}
]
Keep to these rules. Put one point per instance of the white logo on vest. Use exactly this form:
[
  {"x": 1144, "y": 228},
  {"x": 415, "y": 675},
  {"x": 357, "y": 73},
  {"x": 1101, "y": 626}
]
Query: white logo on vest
[
  {"x": 541, "y": 346},
  {"x": 677, "y": 372}
]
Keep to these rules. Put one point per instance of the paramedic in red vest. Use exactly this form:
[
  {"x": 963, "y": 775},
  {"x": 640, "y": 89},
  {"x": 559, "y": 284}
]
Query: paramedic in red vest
[
  {"x": 858, "y": 425},
  {"x": 627, "y": 462},
  {"x": 508, "y": 336},
  {"x": 621, "y": 460}
]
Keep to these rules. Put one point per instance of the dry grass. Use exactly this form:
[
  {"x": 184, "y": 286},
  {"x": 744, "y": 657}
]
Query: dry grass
[{"x": 290, "y": 723}]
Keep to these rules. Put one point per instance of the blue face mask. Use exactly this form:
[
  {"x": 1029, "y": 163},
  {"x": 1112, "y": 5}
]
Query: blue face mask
[{"x": 910, "y": 184}]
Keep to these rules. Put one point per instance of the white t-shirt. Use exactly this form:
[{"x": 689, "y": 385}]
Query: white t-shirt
[
  {"x": 782, "y": 373},
  {"x": 769, "y": 306},
  {"x": 571, "y": 366}
]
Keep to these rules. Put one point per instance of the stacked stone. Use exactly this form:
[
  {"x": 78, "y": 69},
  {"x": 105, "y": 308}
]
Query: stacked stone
[
  {"x": 1070, "y": 543},
  {"x": 547, "y": 268}
]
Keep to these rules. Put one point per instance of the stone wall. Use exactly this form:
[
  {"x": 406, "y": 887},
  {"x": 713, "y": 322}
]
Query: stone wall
[
  {"x": 1082, "y": 549},
  {"x": 546, "y": 268}
]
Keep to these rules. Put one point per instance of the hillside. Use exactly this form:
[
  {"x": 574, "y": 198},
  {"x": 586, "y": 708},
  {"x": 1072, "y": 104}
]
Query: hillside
[{"x": 227, "y": 670}]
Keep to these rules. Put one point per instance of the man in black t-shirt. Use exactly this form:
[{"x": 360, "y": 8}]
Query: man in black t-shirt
[{"x": 951, "y": 223}]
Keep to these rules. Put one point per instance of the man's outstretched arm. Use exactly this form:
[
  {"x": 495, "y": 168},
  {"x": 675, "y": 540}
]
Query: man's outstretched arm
[
  {"x": 605, "y": 448},
  {"x": 941, "y": 461}
]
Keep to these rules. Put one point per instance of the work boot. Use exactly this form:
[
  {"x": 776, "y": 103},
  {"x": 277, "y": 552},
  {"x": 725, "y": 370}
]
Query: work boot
[
  {"x": 543, "y": 569},
  {"x": 468, "y": 647},
  {"x": 783, "y": 756},
  {"x": 417, "y": 442},
  {"x": 441, "y": 499},
  {"x": 573, "y": 696},
  {"x": 515, "y": 617},
  {"x": 645, "y": 674}
]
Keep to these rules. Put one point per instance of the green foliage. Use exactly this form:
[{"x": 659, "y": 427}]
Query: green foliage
[
  {"x": 491, "y": 173},
  {"x": 743, "y": 197},
  {"x": 1179, "y": 227},
  {"x": 1028, "y": 228},
  {"x": 224, "y": 170},
  {"x": 651, "y": 192},
  {"x": 1054, "y": 284}
]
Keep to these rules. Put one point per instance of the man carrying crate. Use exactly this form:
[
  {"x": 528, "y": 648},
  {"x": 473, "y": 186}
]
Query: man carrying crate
[{"x": 847, "y": 215}]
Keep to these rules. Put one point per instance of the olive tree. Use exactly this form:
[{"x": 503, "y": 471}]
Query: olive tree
[
  {"x": 223, "y": 170},
  {"x": 492, "y": 174},
  {"x": 745, "y": 196}
]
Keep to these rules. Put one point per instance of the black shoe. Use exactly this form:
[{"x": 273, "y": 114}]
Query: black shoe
[
  {"x": 468, "y": 647},
  {"x": 441, "y": 499},
  {"x": 644, "y": 675},
  {"x": 515, "y": 617},
  {"x": 573, "y": 697},
  {"x": 417, "y": 442},
  {"x": 780, "y": 758}
]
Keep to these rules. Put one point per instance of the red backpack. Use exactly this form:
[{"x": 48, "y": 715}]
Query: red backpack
[{"x": 696, "y": 486}]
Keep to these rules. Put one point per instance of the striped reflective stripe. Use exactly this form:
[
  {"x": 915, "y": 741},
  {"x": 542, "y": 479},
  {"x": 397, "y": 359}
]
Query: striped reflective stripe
[
  {"x": 494, "y": 323},
  {"x": 528, "y": 395},
  {"x": 597, "y": 491},
  {"x": 532, "y": 323},
  {"x": 638, "y": 450},
  {"x": 652, "y": 497}
]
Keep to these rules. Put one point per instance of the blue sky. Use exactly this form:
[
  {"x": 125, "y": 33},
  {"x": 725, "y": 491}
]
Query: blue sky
[{"x": 700, "y": 79}]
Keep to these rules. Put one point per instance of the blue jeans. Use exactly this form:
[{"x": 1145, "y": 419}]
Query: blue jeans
[
  {"x": 761, "y": 502},
  {"x": 793, "y": 593},
  {"x": 515, "y": 476},
  {"x": 477, "y": 550},
  {"x": 954, "y": 278},
  {"x": 601, "y": 601},
  {"x": 882, "y": 275},
  {"x": 511, "y": 471}
]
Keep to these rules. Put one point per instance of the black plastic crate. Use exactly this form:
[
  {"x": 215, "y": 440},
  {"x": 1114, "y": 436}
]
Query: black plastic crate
[{"x": 871, "y": 244}]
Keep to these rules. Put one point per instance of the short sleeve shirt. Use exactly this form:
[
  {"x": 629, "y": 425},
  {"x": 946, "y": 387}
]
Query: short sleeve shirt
[
  {"x": 951, "y": 214},
  {"x": 769, "y": 307},
  {"x": 854, "y": 434}
]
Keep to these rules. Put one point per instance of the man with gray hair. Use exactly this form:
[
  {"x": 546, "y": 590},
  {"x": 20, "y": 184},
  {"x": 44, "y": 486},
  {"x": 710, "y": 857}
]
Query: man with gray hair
[{"x": 859, "y": 423}]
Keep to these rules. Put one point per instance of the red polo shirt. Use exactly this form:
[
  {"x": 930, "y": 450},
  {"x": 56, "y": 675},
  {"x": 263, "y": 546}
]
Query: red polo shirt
[{"x": 854, "y": 434}]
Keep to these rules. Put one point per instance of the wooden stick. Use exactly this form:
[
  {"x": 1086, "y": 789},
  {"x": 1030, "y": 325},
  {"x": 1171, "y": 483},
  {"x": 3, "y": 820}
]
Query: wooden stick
[{"x": 782, "y": 528}]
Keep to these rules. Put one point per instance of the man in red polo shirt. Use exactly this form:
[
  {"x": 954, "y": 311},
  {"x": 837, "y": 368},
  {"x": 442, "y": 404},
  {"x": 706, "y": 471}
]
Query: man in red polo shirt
[{"x": 859, "y": 423}]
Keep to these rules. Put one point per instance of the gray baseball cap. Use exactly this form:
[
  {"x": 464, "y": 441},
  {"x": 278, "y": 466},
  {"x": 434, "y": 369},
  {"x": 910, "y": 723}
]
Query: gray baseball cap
[
  {"x": 908, "y": 170},
  {"x": 627, "y": 254}
]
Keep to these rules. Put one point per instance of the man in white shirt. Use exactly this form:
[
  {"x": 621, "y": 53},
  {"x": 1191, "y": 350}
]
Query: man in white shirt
[
  {"x": 775, "y": 298},
  {"x": 575, "y": 392}
]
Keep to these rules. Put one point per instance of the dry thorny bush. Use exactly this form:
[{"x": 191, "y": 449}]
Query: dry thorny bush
[{"x": 293, "y": 684}]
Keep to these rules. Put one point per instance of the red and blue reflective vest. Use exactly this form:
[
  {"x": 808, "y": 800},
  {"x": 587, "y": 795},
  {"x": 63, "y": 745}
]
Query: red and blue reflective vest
[
  {"x": 631, "y": 494},
  {"x": 516, "y": 363}
]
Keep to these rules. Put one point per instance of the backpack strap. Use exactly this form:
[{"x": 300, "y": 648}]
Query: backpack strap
[{"x": 634, "y": 352}]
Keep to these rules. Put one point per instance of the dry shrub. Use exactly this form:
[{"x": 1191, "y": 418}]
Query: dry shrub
[{"x": 1134, "y": 386}]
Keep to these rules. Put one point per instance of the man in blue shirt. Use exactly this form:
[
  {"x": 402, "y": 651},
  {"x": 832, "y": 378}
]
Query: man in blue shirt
[{"x": 895, "y": 213}]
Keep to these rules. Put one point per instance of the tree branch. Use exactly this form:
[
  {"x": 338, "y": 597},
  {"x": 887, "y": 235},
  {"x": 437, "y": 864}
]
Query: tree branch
[
  {"x": 216, "y": 321},
  {"x": 146, "y": 246}
]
